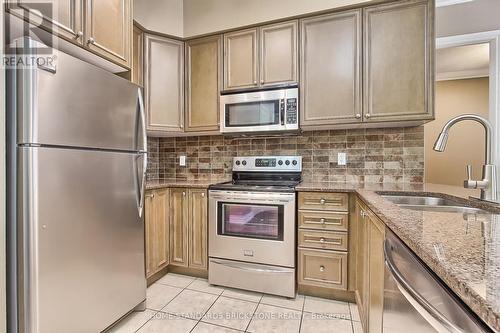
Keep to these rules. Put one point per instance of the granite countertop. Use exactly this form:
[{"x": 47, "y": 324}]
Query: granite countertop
[
  {"x": 462, "y": 249},
  {"x": 155, "y": 185}
]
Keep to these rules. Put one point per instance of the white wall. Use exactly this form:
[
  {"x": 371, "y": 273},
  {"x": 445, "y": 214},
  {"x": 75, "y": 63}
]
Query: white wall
[
  {"x": 205, "y": 16},
  {"x": 469, "y": 17},
  {"x": 165, "y": 16}
]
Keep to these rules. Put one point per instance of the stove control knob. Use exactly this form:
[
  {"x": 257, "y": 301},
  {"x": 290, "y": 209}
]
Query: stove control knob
[
  {"x": 294, "y": 162},
  {"x": 280, "y": 162},
  {"x": 287, "y": 162},
  {"x": 237, "y": 162},
  {"x": 244, "y": 162}
]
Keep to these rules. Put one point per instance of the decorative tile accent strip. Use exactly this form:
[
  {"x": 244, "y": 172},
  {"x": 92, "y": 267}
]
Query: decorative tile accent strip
[{"x": 390, "y": 155}]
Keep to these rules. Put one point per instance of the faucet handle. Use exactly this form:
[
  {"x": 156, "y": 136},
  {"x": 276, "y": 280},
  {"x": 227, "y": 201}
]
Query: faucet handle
[{"x": 468, "y": 169}]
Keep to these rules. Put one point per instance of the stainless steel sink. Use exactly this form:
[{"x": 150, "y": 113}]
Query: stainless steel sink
[{"x": 432, "y": 204}]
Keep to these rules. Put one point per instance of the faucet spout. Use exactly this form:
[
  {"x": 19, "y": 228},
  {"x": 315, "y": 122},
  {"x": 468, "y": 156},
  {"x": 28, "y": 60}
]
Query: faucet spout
[{"x": 442, "y": 139}]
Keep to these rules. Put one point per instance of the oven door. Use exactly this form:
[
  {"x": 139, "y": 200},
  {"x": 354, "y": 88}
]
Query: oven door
[
  {"x": 252, "y": 226},
  {"x": 253, "y": 112}
]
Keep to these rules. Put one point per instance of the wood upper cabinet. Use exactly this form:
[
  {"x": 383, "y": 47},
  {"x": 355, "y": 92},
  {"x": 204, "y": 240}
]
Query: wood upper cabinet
[
  {"x": 156, "y": 231},
  {"x": 137, "y": 56},
  {"x": 64, "y": 18},
  {"x": 278, "y": 53},
  {"x": 197, "y": 239},
  {"x": 108, "y": 29},
  {"x": 330, "y": 81},
  {"x": 240, "y": 59},
  {"x": 179, "y": 211},
  {"x": 163, "y": 84},
  {"x": 399, "y": 61},
  {"x": 203, "y": 83}
]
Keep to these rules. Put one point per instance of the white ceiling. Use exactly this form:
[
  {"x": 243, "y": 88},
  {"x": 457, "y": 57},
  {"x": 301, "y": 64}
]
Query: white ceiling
[{"x": 462, "y": 62}]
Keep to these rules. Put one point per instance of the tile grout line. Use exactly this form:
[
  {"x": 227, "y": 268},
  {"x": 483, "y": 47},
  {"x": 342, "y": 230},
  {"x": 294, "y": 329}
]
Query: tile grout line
[
  {"x": 248, "y": 325},
  {"x": 302, "y": 313},
  {"x": 156, "y": 311},
  {"x": 211, "y": 305}
]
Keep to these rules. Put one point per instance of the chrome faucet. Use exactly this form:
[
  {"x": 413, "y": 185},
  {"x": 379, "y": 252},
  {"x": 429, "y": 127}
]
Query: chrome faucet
[{"x": 488, "y": 184}]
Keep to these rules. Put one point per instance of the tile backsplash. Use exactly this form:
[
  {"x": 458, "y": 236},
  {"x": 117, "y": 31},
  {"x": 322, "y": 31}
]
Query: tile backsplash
[{"x": 389, "y": 155}]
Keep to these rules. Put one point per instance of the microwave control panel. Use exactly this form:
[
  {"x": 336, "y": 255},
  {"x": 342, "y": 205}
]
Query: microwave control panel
[{"x": 291, "y": 110}]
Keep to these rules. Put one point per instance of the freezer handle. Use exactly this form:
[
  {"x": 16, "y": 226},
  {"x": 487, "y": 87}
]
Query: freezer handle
[
  {"x": 426, "y": 309},
  {"x": 145, "y": 152}
]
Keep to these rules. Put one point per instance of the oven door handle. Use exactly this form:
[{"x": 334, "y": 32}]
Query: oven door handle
[
  {"x": 246, "y": 268},
  {"x": 423, "y": 306}
]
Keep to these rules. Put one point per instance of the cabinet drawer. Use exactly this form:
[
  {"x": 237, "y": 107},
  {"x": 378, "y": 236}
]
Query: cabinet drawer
[
  {"x": 323, "y": 268},
  {"x": 323, "y": 201},
  {"x": 323, "y": 240},
  {"x": 323, "y": 220}
]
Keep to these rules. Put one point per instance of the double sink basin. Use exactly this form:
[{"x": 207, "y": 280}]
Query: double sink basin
[{"x": 432, "y": 204}]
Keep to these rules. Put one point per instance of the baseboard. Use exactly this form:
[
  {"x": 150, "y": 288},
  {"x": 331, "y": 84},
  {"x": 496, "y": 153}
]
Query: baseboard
[{"x": 339, "y": 295}]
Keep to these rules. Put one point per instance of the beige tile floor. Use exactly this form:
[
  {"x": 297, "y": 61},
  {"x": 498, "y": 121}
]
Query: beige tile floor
[{"x": 183, "y": 304}]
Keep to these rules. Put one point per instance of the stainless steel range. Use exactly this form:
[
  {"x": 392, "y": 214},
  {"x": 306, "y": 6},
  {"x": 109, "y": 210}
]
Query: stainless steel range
[{"x": 252, "y": 225}]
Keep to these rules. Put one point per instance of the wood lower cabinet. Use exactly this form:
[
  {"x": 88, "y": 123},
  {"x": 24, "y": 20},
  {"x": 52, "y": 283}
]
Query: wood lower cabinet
[
  {"x": 203, "y": 83},
  {"x": 398, "y": 66},
  {"x": 156, "y": 231},
  {"x": 198, "y": 224},
  {"x": 163, "y": 84},
  {"x": 179, "y": 210},
  {"x": 330, "y": 82},
  {"x": 323, "y": 241},
  {"x": 370, "y": 268},
  {"x": 188, "y": 228}
]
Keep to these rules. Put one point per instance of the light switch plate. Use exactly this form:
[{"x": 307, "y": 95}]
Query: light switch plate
[
  {"x": 342, "y": 159},
  {"x": 182, "y": 160}
]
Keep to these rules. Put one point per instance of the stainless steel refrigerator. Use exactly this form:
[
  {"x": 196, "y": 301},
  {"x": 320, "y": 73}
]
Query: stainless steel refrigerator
[{"x": 76, "y": 171}]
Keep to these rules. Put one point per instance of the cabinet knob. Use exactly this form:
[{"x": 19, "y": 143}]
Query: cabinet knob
[
  {"x": 322, "y": 220},
  {"x": 79, "y": 35},
  {"x": 203, "y": 195},
  {"x": 322, "y": 201},
  {"x": 358, "y": 116},
  {"x": 183, "y": 194},
  {"x": 367, "y": 115},
  {"x": 254, "y": 81},
  {"x": 321, "y": 268},
  {"x": 91, "y": 40},
  {"x": 322, "y": 240},
  {"x": 262, "y": 81}
]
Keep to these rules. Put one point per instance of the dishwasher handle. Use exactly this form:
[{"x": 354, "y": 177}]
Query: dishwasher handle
[{"x": 446, "y": 326}]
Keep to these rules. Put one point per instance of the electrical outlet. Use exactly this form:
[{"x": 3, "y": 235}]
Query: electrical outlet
[
  {"x": 182, "y": 160},
  {"x": 342, "y": 159}
]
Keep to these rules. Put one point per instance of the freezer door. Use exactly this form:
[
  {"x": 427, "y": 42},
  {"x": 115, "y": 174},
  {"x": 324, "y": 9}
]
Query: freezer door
[
  {"x": 82, "y": 263},
  {"x": 77, "y": 104}
]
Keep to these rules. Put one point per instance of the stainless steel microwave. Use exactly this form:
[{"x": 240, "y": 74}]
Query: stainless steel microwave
[{"x": 260, "y": 111}]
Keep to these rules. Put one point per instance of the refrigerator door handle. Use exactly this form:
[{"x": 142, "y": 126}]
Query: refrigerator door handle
[{"x": 142, "y": 188}]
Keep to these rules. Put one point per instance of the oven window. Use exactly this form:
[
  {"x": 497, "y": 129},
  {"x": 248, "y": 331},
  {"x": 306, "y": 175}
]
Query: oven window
[
  {"x": 252, "y": 114},
  {"x": 250, "y": 220}
]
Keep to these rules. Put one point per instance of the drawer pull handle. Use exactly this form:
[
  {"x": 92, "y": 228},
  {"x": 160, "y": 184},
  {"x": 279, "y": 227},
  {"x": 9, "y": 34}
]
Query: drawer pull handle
[
  {"x": 322, "y": 221},
  {"x": 321, "y": 268},
  {"x": 322, "y": 201}
]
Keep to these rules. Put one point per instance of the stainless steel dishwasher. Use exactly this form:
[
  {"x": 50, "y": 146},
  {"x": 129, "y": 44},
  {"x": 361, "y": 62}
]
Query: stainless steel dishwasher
[{"x": 415, "y": 300}]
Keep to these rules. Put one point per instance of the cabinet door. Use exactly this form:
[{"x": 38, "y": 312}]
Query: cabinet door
[
  {"x": 376, "y": 273},
  {"x": 330, "y": 79},
  {"x": 398, "y": 61},
  {"x": 137, "y": 56},
  {"x": 164, "y": 84},
  {"x": 240, "y": 59},
  {"x": 203, "y": 86},
  {"x": 62, "y": 17},
  {"x": 278, "y": 53},
  {"x": 161, "y": 229},
  {"x": 198, "y": 255},
  {"x": 178, "y": 213},
  {"x": 108, "y": 29},
  {"x": 150, "y": 222},
  {"x": 362, "y": 263}
]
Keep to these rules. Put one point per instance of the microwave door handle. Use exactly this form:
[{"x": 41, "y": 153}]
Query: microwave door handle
[
  {"x": 426, "y": 309},
  {"x": 282, "y": 111}
]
